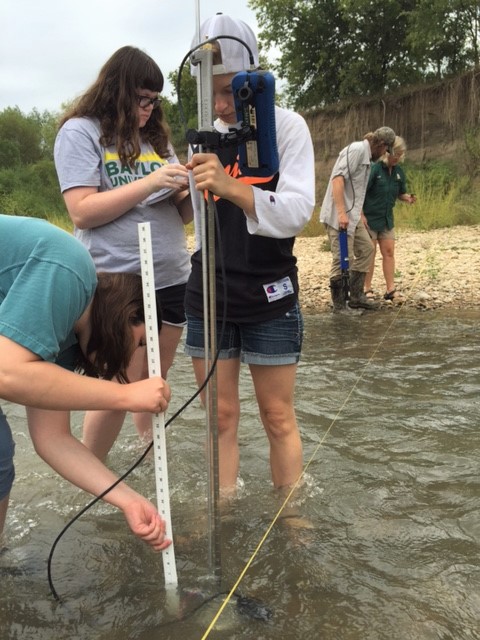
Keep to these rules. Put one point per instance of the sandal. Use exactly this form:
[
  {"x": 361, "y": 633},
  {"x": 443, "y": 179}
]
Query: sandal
[
  {"x": 390, "y": 295},
  {"x": 370, "y": 294}
]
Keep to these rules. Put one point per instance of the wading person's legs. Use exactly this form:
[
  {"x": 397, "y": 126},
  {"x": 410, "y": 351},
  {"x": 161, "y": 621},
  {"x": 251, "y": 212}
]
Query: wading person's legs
[
  {"x": 387, "y": 249},
  {"x": 228, "y": 416},
  {"x": 274, "y": 389}
]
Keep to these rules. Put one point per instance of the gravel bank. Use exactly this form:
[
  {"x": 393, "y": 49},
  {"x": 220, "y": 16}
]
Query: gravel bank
[{"x": 434, "y": 269}]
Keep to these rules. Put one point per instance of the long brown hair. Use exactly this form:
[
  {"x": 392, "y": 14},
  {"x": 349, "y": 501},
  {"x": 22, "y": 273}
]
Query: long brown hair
[
  {"x": 117, "y": 305},
  {"x": 111, "y": 99}
]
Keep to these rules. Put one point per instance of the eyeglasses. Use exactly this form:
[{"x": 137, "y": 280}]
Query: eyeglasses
[{"x": 145, "y": 101}]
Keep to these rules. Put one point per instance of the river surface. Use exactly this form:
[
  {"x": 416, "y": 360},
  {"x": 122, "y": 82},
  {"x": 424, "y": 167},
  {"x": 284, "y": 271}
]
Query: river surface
[{"x": 386, "y": 544}]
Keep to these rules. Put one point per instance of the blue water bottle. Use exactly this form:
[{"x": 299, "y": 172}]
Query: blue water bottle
[{"x": 343, "y": 238}]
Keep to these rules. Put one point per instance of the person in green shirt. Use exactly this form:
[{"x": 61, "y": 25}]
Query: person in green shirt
[{"x": 386, "y": 185}]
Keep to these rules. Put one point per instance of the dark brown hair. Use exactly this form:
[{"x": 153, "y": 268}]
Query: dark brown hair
[
  {"x": 111, "y": 99},
  {"x": 117, "y": 305}
]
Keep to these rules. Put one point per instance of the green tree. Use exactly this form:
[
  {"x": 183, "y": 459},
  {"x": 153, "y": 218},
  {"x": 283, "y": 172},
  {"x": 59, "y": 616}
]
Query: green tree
[
  {"x": 472, "y": 11},
  {"x": 334, "y": 49},
  {"x": 28, "y": 180},
  {"x": 312, "y": 40},
  {"x": 48, "y": 126},
  {"x": 20, "y": 138},
  {"x": 444, "y": 36},
  {"x": 181, "y": 114},
  {"x": 33, "y": 191},
  {"x": 26, "y": 139},
  {"x": 381, "y": 60},
  {"x": 337, "y": 49}
]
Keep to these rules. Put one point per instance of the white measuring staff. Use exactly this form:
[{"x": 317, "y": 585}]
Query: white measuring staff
[{"x": 154, "y": 369}]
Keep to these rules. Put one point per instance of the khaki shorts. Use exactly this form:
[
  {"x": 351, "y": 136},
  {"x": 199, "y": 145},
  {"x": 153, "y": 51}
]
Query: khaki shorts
[{"x": 385, "y": 234}]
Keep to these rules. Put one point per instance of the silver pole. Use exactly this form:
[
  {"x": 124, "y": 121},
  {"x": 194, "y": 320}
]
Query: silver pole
[
  {"x": 197, "y": 20},
  {"x": 203, "y": 57}
]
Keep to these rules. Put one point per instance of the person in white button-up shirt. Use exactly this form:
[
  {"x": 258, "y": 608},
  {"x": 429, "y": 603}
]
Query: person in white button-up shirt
[{"x": 342, "y": 210}]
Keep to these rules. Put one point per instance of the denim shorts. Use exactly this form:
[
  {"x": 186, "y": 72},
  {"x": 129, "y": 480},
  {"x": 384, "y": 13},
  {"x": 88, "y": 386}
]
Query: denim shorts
[
  {"x": 274, "y": 342},
  {"x": 7, "y": 449},
  {"x": 171, "y": 302}
]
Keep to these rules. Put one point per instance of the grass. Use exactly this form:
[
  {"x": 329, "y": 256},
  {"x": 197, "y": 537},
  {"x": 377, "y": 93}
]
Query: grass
[
  {"x": 62, "y": 221},
  {"x": 444, "y": 199}
]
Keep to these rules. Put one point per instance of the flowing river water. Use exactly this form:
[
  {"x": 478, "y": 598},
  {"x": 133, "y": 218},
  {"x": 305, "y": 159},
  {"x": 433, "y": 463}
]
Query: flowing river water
[{"x": 386, "y": 544}]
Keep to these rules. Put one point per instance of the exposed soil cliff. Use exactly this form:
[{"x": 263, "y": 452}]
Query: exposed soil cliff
[{"x": 433, "y": 120}]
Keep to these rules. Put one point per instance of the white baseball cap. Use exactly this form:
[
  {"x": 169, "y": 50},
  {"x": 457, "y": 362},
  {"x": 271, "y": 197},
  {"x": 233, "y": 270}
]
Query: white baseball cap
[{"x": 235, "y": 56}]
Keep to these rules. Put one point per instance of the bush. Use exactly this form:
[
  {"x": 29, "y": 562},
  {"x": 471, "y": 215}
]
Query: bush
[
  {"x": 444, "y": 198},
  {"x": 32, "y": 192}
]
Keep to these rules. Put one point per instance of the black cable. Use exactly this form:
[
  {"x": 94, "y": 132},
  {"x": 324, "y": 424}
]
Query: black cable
[
  {"x": 250, "y": 607},
  {"x": 209, "y": 375},
  {"x": 174, "y": 417},
  {"x": 351, "y": 180}
]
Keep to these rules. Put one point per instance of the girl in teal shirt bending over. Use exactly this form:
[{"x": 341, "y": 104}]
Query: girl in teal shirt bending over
[{"x": 58, "y": 315}]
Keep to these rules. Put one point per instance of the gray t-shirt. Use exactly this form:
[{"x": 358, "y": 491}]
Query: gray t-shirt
[{"x": 81, "y": 161}]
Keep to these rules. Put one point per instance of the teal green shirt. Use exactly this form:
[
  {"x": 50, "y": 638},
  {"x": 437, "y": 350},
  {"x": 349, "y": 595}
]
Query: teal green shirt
[
  {"x": 47, "y": 279},
  {"x": 382, "y": 192}
]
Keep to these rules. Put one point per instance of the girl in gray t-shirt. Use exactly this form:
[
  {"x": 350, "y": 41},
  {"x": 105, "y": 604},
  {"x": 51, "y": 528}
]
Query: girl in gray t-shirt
[{"x": 117, "y": 168}]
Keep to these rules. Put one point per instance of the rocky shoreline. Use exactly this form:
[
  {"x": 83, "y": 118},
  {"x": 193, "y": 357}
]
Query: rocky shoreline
[{"x": 434, "y": 269}]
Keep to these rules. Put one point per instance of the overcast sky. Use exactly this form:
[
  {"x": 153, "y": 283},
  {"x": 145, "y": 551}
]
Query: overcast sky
[{"x": 51, "y": 50}]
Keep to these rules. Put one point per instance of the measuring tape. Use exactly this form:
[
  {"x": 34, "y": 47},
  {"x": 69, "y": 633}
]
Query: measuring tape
[{"x": 154, "y": 369}]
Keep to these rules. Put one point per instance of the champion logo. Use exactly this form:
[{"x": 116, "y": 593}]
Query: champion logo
[{"x": 272, "y": 289}]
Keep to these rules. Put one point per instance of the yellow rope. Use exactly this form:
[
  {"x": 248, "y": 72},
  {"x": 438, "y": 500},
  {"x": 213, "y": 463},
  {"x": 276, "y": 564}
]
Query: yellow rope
[{"x": 312, "y": 457}]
